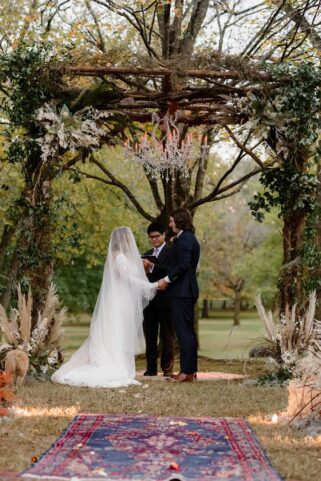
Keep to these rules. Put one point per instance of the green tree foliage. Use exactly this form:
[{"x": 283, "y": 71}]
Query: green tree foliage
[
  {"x": 25, "y": 86},
  {"x": 291, "y": 123},
  {"x": 239, "y": 257},
  {"x": 43, "y": 138}
]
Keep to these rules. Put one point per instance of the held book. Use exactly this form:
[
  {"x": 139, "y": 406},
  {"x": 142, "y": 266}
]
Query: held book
[{"x": 150, "y": 258}]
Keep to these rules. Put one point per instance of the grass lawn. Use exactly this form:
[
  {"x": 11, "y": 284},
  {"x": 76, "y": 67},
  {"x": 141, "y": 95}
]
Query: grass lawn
[
  {"x": 45, "y": 409},
  {"x": 218, "y": 338}
]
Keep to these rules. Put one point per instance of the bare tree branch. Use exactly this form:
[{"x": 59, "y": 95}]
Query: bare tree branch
[
  {"x": 133, "y": 19},
  {"x": 163, "y": 72},
  {"x": 101, "y": 44},
  {"x": 115, "y": 182},
  {"x": 200, "y": 8},
  {"x": 301, "y": 22},
  {"x": 154, "y": 188},
  {"x": 244, "y": 148},
  {"x": 202, "y": 163},
  {"x": 216, "y": 194},
  {"x": 260, "y": 36}
]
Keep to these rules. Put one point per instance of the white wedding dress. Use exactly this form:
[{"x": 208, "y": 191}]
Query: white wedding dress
[{"x": 107, "y": 357}]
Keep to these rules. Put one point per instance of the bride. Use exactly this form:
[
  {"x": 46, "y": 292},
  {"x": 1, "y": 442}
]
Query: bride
[{"x": 107, "y": 357}]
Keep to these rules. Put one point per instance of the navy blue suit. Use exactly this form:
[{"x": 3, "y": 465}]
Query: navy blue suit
[
  {"x": 182, "y": 293},
  {"x": 157, "y": 319}
]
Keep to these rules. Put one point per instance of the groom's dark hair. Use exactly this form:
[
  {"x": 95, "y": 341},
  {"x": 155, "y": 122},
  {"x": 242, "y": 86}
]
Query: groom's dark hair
[
  {"x": 183, "y": 219},
  {"x": 156, "y": 227}
]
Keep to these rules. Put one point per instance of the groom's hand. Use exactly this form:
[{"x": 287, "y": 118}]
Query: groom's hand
[{"x": 162, "y": 285}]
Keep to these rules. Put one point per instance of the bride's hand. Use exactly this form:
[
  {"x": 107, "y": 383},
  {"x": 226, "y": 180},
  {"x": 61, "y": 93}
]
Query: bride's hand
[
  {"x": 162, "y": 285},
  {"x": 147, "y": 265}
]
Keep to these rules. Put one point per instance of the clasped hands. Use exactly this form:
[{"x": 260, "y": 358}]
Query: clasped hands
[{"x": 162, "y": 285}]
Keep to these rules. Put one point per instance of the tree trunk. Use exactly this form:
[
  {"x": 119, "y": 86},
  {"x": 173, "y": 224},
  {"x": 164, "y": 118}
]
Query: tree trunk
[
  {"x": 11, "y": 282},
  {"x": 318, "y": 242},
  {"x": 32, "y": 259},
  {"x": 34, "y": 242},
  {"x": 7, "y": 235},
  {"x": 290, "y": 284},
  {"x": 237, "y": 307},
  {"x": 205, "y": 309}
]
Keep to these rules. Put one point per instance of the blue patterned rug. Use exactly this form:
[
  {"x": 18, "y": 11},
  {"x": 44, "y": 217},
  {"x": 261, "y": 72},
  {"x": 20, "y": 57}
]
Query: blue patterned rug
[{"x": 146, "y": 448}]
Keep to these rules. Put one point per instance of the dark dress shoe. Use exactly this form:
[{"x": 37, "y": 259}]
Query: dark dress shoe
[
  {"x": 168, "y": 374},
  {"x": 149, "y": 373},
  {"x": 182, "y": 377}
]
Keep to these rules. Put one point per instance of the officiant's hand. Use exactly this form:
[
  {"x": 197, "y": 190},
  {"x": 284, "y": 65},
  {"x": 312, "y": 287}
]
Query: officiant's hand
[
  {"x": 147, "y": 265},
  {"x": 162, "y": 285}
]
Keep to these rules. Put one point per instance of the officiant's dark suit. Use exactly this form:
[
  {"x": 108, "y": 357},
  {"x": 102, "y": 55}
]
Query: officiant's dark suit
[
  {"x": 182, "y": 290},
  {"x": 157, "y": 315}
]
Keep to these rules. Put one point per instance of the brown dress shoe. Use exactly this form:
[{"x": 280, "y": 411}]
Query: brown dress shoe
[{"x": 182, "y": 377}]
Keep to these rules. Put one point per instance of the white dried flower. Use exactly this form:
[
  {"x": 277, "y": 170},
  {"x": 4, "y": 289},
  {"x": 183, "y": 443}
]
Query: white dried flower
[
  {"x": 52, "y": 359},
  {"x": 44, "y": 369},
  {"x": 4, "y": 346},
  {"x": 289, "y": 358},
  {"x": 69, "y": 131}
]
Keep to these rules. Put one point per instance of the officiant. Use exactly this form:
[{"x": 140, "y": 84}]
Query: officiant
[{"x": 157, "y": 316}]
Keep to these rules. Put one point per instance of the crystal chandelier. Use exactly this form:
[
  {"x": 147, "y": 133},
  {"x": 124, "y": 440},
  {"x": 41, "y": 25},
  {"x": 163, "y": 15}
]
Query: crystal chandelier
[{"x": 163, "y": 154}]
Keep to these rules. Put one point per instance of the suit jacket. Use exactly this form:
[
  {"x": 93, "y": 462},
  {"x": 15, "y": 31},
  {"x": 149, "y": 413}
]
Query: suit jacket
[
  {"x": 183, "y": 261},
  {"x": 159, "y": 272}
]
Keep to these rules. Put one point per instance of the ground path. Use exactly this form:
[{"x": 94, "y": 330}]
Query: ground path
[{"x": 201, "y": 376}]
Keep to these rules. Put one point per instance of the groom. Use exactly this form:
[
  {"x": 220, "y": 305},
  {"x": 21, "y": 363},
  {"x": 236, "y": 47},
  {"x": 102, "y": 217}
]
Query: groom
[{"x": 182, "y": 290}]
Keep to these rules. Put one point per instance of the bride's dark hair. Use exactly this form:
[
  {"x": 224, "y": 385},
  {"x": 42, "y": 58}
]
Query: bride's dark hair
[{"x": 119, "y": 239}]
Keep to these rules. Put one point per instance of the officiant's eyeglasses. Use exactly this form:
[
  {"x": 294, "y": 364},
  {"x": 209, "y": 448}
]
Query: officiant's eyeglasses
[{"x": 156, "y": 236}]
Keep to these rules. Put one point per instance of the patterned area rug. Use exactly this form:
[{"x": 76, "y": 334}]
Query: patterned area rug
[
  {"x": 10, "y": 476},
  {"x": 145, "y": 448}
]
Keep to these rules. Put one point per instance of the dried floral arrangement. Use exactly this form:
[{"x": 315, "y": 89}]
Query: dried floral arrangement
[
  {"x": 42, "y": 342},
  {"x": 67, "y": 131},
  {"x": 293, "y": 340}
]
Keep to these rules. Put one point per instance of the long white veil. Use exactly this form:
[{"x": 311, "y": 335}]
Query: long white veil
[
  {"x": 116, "y": 333},
  {"x": 124, "y": 280}
]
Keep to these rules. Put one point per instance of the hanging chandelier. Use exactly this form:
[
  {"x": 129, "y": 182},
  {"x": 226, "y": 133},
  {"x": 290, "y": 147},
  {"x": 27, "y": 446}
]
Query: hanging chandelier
[{"x": 163, "y": 152}]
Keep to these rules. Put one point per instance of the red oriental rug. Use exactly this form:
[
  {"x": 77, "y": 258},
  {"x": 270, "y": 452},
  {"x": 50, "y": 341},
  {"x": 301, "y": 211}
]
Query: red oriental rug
[{"x": 146, "y": 448}]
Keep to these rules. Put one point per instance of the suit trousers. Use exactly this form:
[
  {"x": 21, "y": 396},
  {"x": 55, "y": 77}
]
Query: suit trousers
[
  {"x": 157, "y": 319},
  {"x": 182, "y": 310}
]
